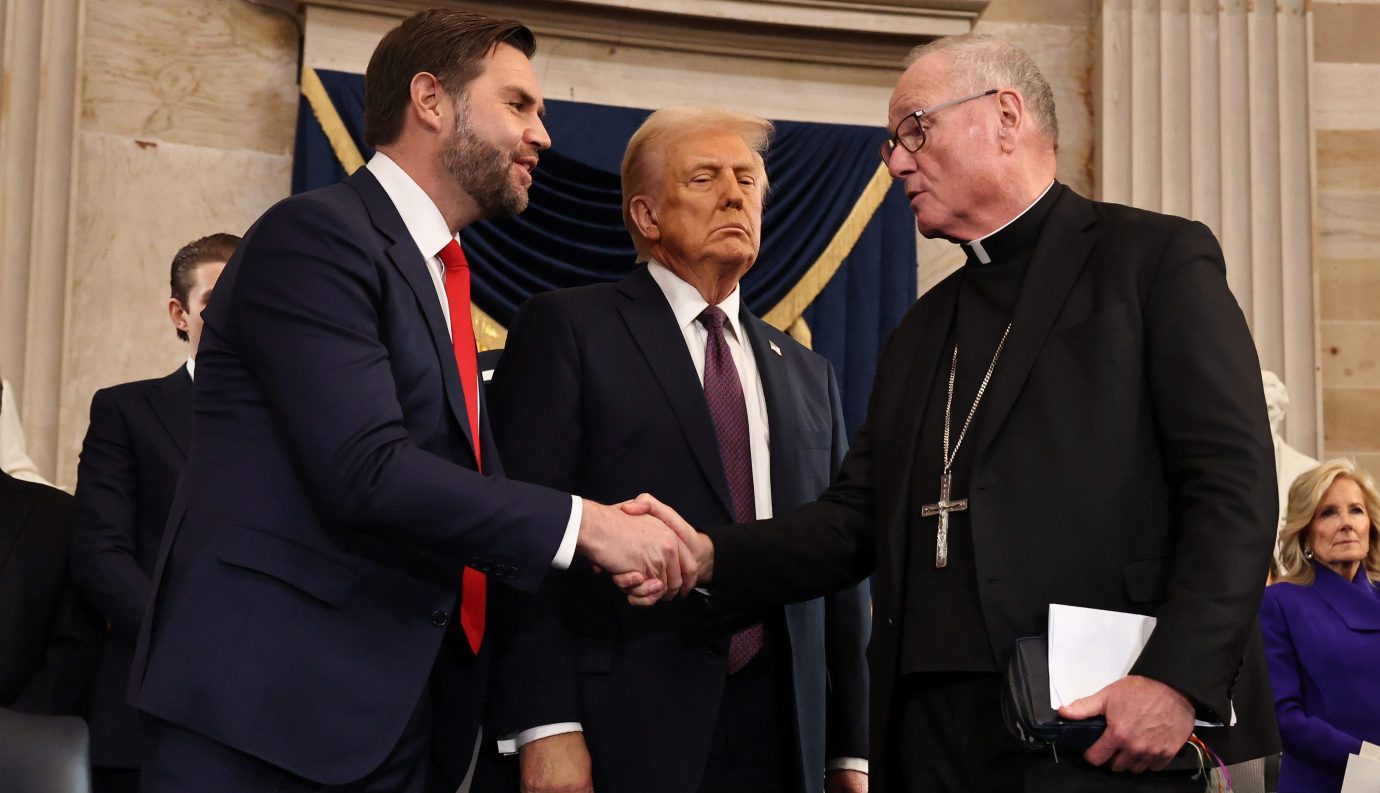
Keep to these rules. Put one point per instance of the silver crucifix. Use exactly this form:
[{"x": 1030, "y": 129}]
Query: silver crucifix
[{"x": 942, "y": 509}]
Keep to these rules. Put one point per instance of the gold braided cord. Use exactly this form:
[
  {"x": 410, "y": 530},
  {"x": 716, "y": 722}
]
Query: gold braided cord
[
  {"x": 786, "y": 313},
  {"x": 800, "y": 331},
  {"x": 329, "y": 118},
  {"x": 488, "y": 334}
]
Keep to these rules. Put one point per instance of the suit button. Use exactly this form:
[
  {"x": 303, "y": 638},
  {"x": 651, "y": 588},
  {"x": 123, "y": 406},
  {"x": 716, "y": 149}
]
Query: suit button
[
  {"x": 511, "y": 574},
  {"x": 439, "y": 618}
]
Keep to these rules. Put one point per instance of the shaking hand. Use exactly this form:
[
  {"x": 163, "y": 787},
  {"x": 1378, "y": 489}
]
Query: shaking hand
[
  {"x": 637, "y": 546},
  {"x": 697, "y": 552}
]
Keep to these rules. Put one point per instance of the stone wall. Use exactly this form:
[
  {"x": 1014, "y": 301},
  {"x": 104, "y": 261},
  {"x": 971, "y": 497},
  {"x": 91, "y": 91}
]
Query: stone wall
[{"x": 1346, "y": 118}]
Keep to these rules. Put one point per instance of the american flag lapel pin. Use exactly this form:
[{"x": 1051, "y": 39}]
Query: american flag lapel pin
[{"x": 773, "y": 347}]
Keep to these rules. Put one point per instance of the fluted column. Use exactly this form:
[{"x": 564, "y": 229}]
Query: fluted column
[
  {"x": 1202, "y": 109},
  {"x": 37, "y": 125}
]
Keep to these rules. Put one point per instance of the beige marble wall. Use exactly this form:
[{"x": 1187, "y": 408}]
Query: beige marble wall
[
  {"x": 1346, "y": 118},
  {"x": 186, "y": 128}
]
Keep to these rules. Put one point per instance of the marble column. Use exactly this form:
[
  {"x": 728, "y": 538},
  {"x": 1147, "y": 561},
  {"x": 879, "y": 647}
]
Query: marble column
[{"x": 1203, "y": 111}]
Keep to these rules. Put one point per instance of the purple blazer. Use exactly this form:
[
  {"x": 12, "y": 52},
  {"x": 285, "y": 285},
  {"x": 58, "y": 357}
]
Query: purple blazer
[{"x": 1322, "y": 642}]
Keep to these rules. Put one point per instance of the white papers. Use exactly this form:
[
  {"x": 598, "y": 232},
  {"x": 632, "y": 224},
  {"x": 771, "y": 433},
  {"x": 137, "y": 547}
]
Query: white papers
[
  {"x": 1369, "y": 749},
  {"x": 1362, "y": 774},
  {"x": 1090, "y": 649}
]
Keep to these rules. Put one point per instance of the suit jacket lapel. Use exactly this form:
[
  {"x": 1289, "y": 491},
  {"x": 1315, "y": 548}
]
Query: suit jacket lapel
[
  {"x": 941, "y": 303},
  {"x": 653, "y": 327},
  {"x": 412, "y": 265},
  {"x": 174, "y": 409},
  {"x": 1059, "y": 257},
  {"x": 777, "y": 387}
]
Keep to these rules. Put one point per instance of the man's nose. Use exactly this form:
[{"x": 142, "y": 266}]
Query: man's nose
[
  {"x": 901, "y": 162},
  {"x": 537, "y": 136}
]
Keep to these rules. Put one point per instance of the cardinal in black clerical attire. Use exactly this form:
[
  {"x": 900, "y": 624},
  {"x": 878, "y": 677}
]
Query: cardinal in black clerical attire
[{"x": 1073, "y": 417}]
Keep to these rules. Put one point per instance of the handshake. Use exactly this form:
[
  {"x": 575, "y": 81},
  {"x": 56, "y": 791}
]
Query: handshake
[{"x": 650, "y": 551}]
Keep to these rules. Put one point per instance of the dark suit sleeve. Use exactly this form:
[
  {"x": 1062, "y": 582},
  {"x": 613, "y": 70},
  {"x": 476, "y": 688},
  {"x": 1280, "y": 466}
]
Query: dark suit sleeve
[
  {"x": 1204, "y": 382},
  {"x": 847, "y": 627},
  {"x": 308, "y": 313},
  {"x": 535, "y": 412},
  {"x": 63, "y": 682},
  {"x": 104, "y": 531},
  {"x": 1306, "y": 737},
  {"x": 817, "y": 548}
]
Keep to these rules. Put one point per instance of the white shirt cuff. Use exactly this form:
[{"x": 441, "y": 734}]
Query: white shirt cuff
[
  {"x": 846, "y": 764},
  {"x": 512, "y": 743},
  {"x": 566, "y": 553}
]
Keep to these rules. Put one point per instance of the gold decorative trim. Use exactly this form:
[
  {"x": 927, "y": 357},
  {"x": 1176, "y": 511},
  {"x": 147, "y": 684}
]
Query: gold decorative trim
[
  {"x": 800, "y": 331},
  {"x": 488, "y": 334},
  {"x": 785, "y": 314},
  {"x": 329, "y": 118}
]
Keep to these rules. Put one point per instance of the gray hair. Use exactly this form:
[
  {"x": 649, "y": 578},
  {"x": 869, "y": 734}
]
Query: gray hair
[{"x": 978, "y": 62}]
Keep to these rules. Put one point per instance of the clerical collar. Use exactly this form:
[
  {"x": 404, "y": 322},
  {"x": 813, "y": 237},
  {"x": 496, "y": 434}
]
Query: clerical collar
[{"x": 1015, "y": 238}]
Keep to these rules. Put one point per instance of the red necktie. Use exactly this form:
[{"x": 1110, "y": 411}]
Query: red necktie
[{"x": 472, "y": 588}]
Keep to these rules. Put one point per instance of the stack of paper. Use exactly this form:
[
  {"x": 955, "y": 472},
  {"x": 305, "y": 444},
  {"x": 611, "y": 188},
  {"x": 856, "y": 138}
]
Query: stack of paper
[
  {"x": 1363, "y": 771},
  {"x": 1090, "y": 649}
]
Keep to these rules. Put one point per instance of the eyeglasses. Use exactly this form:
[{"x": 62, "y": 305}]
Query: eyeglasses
[{"x": 910, "y": 133}]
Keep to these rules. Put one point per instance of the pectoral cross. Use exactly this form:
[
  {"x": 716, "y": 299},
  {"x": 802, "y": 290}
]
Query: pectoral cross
[{"x": 942, "y": 508}]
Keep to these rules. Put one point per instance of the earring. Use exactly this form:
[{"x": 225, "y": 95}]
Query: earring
[{"x": 1308, "y": 553}]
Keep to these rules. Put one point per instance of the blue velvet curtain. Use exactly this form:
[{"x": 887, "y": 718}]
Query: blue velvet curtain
[{"x": 572, "y": 232}]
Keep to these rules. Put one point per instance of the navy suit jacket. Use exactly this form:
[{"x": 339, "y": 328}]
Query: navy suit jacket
[
  {"x": 314, "y": 548},
  {"x": 135, "y": 447},
  {"x": 596, "y": 393},
  {"x": 1322, "y": 642}
]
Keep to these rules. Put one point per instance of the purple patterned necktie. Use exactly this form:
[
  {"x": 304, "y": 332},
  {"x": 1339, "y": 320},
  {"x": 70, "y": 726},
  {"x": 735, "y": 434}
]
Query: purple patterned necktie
[{"x": 723, "y": 392}]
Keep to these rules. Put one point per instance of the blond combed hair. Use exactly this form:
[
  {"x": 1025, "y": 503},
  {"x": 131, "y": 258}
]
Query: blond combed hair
[
  {"x": 978, "y": 62},
  {"x": 643, "y": 159},
  {"x": 1304, "y": 495}
]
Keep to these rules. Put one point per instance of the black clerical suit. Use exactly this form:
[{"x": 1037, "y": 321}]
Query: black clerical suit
[
  {"x": 1120, "y": 459},
  {"x": 49, "y": 635},
  {"x": 134, "y": 451}
]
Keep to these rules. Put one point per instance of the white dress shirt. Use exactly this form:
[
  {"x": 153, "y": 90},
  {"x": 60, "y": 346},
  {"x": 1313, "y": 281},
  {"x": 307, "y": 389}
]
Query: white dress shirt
[{"x": 428, "y": 229}]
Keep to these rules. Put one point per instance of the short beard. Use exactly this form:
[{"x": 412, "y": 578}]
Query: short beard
[{"x": 482, "y": 169}]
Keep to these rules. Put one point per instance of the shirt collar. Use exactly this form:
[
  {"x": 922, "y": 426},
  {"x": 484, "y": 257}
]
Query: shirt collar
[
  {"x": 419, "y": 213},
  {"x": 191, "y": 368},
  {"x": 995, "y": 246},
  {"x": 686, "y": 301}
]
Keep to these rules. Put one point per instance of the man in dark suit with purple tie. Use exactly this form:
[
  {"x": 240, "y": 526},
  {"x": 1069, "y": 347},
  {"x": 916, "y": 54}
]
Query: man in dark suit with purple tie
[{"x": 319, "y": 609}]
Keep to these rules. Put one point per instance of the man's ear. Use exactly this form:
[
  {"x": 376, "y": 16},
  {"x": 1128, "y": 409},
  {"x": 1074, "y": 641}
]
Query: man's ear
[
  {"x": 429, "y": 101},
  {"x": 1012, "y": 109},
  {"x": 644, "y": 217},
  {"x": 178, "y": 314}
]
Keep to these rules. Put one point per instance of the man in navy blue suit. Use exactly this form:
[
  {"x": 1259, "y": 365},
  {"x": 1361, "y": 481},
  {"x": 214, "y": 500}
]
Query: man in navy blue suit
[
  {"x": 318, "y": 618},
  {"x": 135, "y": 447},
  {"x": 613, "y": 389}
]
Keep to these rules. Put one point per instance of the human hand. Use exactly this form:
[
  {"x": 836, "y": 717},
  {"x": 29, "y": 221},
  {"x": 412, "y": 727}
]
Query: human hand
[
  {"x": 556, "y": 764},
  {"x": 695, "y": 547},
  {"x": 623, "y": 544},
  {"x": 1147, "y": 723},
  {"x": 845, "y": 780}
]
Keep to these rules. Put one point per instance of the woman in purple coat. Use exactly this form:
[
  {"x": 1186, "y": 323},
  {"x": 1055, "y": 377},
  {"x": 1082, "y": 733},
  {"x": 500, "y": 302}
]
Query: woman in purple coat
[{"x": 1321, "y": 623}]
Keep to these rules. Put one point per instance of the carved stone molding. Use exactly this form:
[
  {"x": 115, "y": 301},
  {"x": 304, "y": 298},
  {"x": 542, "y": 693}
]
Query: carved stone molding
[{"x": 875, "y": 33}]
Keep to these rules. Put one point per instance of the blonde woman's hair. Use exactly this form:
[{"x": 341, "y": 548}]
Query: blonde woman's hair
[
  {"x": 1304, "y": 495},
  {"x": 643, "y": 160}
]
